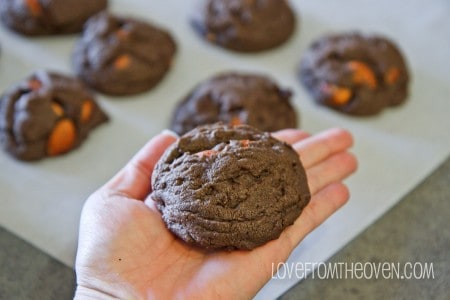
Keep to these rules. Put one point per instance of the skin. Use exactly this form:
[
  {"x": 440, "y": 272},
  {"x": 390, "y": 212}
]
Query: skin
[{"x": 126, "y": 252}]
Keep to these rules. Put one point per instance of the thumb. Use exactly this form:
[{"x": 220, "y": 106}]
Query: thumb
[{"x": 133, "y": 180}]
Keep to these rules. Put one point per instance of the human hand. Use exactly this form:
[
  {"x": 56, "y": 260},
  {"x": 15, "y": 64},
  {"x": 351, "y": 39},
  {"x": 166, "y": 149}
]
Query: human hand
[{"x": 125, "y": 250}]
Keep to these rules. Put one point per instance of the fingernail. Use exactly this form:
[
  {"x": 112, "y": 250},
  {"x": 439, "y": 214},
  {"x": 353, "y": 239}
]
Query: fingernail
[{"x": 170, "y": 132}]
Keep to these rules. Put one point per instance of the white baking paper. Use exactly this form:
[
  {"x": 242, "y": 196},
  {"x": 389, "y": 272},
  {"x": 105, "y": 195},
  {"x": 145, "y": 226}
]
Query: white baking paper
[{"x": 41, "y": 202}]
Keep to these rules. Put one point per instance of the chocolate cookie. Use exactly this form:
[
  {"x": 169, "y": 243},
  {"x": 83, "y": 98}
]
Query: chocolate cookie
[
  {"x": 246, "y": 25},
  {"x": 47, "y": 114},
  {"x": 355, "y": 73},
  {"x": 48, "y": 17},
  {"x": 236, "y": 99},
  {"x": 122, "y": 56},
  {"x": 229, "y": 187}
]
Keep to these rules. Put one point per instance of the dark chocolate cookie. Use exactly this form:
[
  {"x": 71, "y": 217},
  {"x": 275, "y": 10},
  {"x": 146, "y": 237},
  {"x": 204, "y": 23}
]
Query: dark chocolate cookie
[
  {"x": 48, "y": 17},
  {"x": 47, "y": 114},
  {"x": 246, "y": 25},
  {"x": 229, "y": 187},
  {"x": 355, "y": 73},
  {"x": 122, "y": 56},
  {"x": 235, "y": 98}
]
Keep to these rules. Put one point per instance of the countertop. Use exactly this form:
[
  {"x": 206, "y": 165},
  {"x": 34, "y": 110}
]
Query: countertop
[{"x": 415, "y": 230}]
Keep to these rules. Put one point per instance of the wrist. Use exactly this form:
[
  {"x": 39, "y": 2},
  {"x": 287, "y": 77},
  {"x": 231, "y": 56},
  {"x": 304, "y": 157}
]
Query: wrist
[{"x": 84, "y": 293}]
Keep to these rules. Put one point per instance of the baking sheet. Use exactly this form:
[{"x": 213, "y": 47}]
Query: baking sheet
[{"x": 41, "y": 202}]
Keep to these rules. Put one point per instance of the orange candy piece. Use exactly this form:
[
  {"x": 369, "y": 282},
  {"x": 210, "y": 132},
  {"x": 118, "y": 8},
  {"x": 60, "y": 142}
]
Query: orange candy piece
[
  {"x": 338, "y": 95},
  {"x": 245, "y": 143},
  {"x": 62, "y": 138},
  {"x": 235, "y": 121},
  {"x": 122, "y": 62},
  {"x": 362, "y": 74},
  {"x": 206, "y": 153},
  {"x": 86, "y": 111},
  {"x": 341, "y": 96},
  {"x": 57, "y": 109},
  {"x": 392, "y": 75},
  {"x": 34, "y": 6}
]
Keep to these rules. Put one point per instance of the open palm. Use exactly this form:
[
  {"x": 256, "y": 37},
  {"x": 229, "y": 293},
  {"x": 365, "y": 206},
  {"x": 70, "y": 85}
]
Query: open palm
[{"x": 125, "y": 251}]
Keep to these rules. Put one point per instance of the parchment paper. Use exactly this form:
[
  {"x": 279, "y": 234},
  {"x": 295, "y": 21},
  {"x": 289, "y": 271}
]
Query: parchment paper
[{"x": 41, "y": 202}]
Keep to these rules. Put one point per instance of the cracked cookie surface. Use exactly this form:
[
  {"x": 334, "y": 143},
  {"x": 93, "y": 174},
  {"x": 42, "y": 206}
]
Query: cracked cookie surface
[
  {"x": 47, "y": 114},
  {"x": 354, "y": 73},
  {"x": 236, "y": 98},
  {"x": 229, "y": 187}
]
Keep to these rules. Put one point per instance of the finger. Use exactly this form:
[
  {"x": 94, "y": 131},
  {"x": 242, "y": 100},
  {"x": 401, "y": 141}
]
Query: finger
[
  {"x": 333, "y": 169},
  {"x": 134, "y": 180},
  {"x": 317, "y": 148},
  {"x": 290, "y": 136},
  {"x": 321, "y": 207}
]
